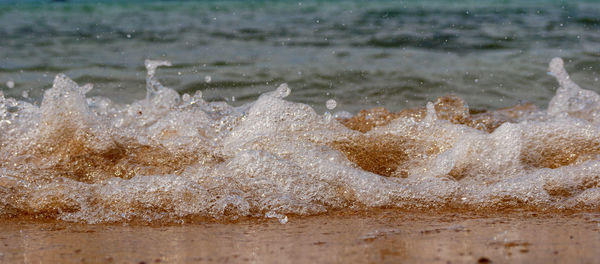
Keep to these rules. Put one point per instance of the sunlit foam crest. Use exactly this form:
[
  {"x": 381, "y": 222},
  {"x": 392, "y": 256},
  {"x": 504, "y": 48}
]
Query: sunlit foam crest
[
  {"x": 168, "y": 157},
  {"x": 570, "y": 99}
]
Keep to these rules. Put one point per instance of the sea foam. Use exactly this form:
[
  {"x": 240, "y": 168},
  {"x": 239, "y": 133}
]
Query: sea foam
[{"x": 168, "y": 157}]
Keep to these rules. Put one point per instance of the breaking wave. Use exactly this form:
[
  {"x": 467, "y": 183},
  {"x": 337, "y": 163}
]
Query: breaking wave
[{"x": 168, "y": 157}]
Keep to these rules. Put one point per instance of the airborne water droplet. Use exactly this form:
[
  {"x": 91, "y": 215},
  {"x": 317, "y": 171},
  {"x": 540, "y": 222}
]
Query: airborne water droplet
[{"x": 331, "y": 104}]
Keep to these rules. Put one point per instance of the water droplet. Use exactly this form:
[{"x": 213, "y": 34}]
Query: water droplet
[
  {"x": 331, "y": 104},
  {"x": 10, "y": 84},
  {"x": 207, "y": 78}
]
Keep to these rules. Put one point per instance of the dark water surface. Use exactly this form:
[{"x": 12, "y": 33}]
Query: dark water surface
[{"x": 363, "y": 54}]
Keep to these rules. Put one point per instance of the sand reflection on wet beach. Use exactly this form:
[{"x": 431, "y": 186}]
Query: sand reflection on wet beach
[{"x": 382, "y": 236}]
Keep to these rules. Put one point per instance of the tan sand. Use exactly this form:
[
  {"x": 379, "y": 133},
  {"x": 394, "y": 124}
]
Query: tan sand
[{"x": 382, "y": 236}]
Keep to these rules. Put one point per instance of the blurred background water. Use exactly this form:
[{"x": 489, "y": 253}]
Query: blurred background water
[{"x": 363, "y": 54}]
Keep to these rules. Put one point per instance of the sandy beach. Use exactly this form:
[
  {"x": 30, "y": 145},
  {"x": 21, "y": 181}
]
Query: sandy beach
[{"x": 382, "y": 236}]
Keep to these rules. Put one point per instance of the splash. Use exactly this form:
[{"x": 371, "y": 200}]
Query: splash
[{"x": 168, "y": 157}]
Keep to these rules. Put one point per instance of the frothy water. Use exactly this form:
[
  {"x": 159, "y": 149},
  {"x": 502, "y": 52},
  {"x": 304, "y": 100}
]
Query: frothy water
[{"x": 167, "y": 157}]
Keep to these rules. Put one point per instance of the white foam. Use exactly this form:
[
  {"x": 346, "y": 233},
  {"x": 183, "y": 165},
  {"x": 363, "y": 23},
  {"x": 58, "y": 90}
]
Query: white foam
[
  {"x": 281, "y": 92},
  {"x": 166, "y": 157},
  {"x": 570, "y": 99}
]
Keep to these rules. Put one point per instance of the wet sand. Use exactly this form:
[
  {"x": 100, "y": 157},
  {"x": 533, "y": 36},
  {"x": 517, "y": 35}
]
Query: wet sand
[{"x": 383, "y": 236}]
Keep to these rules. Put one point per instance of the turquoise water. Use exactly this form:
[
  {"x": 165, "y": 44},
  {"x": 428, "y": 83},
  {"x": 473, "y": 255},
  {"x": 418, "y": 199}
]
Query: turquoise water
[{"x": 363, "y": 54}]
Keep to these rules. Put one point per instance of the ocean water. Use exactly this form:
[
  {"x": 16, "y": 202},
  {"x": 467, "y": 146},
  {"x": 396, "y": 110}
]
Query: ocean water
[
  {"x": 116, "y": 111},
  {"x": 394, "y": 54}
]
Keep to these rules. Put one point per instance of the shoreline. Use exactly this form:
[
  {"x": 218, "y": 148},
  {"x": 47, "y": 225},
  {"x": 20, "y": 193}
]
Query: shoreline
[{"x": 379, "y": 235}]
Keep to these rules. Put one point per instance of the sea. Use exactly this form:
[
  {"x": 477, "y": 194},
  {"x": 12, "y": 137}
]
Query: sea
[{"x": 117, "y": 111}]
